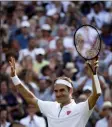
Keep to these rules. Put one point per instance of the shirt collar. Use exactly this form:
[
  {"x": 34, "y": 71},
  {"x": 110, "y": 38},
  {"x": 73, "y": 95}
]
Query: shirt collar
[{"x": 68, "y": 105}]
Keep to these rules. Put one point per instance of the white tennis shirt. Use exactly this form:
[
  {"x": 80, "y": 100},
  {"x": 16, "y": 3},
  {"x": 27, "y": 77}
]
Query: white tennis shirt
[{"x": 71, "y": 115}]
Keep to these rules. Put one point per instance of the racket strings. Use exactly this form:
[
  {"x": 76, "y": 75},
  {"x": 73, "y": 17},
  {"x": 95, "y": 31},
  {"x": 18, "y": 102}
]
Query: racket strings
[{"x": 87, "y": 42}]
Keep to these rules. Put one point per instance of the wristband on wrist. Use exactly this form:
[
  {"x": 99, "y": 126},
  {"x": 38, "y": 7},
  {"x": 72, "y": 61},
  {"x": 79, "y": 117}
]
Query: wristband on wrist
[
  {"x": 97, "y": 84},
  {"x": 16, "y": 80}
]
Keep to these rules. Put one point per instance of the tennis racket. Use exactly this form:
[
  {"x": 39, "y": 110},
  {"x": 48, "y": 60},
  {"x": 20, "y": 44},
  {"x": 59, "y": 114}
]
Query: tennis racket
[{"x": 87, "y": 42}]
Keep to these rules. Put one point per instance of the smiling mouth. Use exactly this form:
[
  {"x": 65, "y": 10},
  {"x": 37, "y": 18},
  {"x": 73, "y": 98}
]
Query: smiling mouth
[{"x": 59, "y": 98}]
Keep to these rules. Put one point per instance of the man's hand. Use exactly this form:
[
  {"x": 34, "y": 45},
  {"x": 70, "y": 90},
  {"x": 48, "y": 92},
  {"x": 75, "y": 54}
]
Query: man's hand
[
  {"x": 93, "y": 65},
  {"x": 12, "y": 65}
]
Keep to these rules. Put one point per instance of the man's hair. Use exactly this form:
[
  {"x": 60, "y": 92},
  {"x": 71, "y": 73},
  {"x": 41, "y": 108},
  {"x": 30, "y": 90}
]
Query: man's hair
[
  {"x": 67, "y": 79},
  {"x": 16, "y": 124}
]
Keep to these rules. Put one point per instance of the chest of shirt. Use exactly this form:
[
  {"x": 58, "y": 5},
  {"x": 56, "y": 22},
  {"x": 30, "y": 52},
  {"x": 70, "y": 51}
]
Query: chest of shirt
[
  {"x": 31, "y": 123},
  {"x": 64, "y": 112},
  {"x": 66, "y": 117},
  {"x": 64, "y": 120}
]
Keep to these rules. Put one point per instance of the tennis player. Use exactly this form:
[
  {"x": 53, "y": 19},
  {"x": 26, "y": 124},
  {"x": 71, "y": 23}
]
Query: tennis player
[{"x": 64, "y": 112}]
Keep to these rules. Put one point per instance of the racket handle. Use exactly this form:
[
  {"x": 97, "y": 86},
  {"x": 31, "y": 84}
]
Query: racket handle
[{"x": 97, "y": 84}]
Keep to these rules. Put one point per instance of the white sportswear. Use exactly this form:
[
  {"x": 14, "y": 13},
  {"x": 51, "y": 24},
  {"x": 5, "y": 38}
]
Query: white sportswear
[{"x": 71, "y": 115}]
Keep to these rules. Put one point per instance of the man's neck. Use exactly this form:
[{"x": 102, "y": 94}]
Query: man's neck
[
  {"x": 66, "y": 103},
  {"x": 30, "y": 48},
  {"x": 39, "y": 61},
  {"x": 3, "y": 122},
  {"x": 25, "y": 34}
]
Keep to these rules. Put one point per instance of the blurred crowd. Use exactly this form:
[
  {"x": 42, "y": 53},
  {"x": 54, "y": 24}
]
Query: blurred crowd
[{"x": 39, "y": 35}]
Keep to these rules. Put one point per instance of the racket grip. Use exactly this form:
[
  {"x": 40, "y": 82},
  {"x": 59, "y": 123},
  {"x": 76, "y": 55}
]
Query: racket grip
[{"x": 97, "y": 84}]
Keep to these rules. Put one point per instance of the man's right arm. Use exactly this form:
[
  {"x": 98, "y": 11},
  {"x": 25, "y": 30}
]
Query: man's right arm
[{"x": 27, "y": 95}]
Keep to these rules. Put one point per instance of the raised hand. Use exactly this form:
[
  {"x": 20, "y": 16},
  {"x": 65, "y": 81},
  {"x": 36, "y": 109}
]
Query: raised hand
[
  {"x": 12, "y": 65},
  {"x": 93, "y": 65}
]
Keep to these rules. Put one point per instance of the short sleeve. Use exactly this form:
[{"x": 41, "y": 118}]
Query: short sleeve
[
  {"x": 85, "y": 111},
  {"x": 46, "y": 107},
  {"x": 110, "y": 70},
  {"x": 85, "y": 106}
]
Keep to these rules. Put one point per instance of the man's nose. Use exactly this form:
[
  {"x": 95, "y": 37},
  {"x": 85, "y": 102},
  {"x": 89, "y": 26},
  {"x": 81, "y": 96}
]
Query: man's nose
[{"x": 58, "y": 94}]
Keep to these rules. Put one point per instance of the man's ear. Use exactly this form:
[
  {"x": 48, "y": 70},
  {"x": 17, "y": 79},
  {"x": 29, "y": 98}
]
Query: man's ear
[{"x": 71, "y": 91}]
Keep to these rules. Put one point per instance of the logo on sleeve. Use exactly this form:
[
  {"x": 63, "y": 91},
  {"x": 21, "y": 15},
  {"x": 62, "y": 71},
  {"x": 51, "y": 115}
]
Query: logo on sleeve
[{"x": 68, "y": 112}]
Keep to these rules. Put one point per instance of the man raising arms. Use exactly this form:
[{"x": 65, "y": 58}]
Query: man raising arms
[{"x": 64, "y": 112}]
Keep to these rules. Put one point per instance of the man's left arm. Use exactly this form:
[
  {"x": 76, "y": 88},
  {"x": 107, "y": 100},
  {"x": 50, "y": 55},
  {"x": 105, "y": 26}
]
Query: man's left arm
[{"x": 95, "y": 85}]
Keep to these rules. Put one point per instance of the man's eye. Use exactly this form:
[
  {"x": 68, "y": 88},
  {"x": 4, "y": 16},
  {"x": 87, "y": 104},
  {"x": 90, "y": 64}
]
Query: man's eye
[
  {"x": 62, "y": 90},
  {"x": 55, "y": 91}
]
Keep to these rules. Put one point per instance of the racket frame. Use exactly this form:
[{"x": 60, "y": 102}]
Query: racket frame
[{"x": 99, "y": 43}]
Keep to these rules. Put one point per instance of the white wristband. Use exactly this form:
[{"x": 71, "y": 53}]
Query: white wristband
[
  {"x": 16, "y": 80},
  {"x": 97, "y": 84}
]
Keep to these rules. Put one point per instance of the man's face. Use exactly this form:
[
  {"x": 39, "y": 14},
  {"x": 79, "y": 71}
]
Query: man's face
[
  {"x": 3, "y": 115},
  {"x": 62, "y": 93},
  {"x": 42, "y": 85},
  {"x": 39, "y": 58},
  {"x": 45, "y": 33},
  {"x": 32, "y": 43},
  {"x": 31, "y": 109},
  {"x": 59, "y": 44},
  {"x": 25, "y": 30},
  {"x": 97, "y": 8},
  {"x": 107, "y": 111},
  {"x": 4, "y": 88}
]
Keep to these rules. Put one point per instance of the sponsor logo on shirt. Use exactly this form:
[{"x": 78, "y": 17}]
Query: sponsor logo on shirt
[{"x": 68, "y": 112}]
